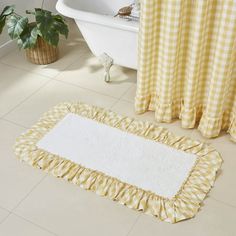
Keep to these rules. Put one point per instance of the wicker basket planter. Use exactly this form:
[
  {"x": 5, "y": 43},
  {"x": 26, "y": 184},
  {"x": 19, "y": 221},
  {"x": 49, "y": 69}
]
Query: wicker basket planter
[
  {"x": 33, "y": 36},
  {"x": 43, "y": 53}
]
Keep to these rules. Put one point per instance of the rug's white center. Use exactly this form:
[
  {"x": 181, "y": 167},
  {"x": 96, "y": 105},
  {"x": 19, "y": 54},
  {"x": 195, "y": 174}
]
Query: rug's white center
[{"x": 132, "y": 159}]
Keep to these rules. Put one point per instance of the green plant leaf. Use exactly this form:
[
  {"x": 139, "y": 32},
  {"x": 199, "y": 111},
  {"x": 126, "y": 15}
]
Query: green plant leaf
[
  {"x": 50, "y": 26},
  {"x": 28, "y": 37},
  {"x": 16, "y": 26},
  {"x": 8, "y": 10},
  {"x": 44, "y": 20},
  {"x": 30, "y": 12},
  {"x": 2, "y": 23},
  {"x": 52, "y": 38},
  {"x": 60, "y": 25}
]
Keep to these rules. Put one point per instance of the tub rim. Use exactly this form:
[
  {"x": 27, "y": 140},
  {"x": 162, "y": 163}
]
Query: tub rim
[{"x": 95, "y": 18}]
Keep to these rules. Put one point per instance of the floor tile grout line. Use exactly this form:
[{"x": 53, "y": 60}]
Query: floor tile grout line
[
  {"x": 54, "y": 78},
  {"x": 44, "y": 85},
  {"x": 120, "y": 98},
  {"x": 36, "y": 73},
  {"x": 25, "y": 70},
  {"x": 8, "y": 213},
  {"x": 82, "y": 87},
  {"x": 133, "y": 225},
  {"x": 65, "y": 68},
  {"x": 127, "y": 90},
  {"x": 32, "y": 72},
  {"x": 3, "y": 208},
  {"x": 70, "y": 83},
  {"x": 8, "y": 52},
  {"x": 33, "y": 223},
  {"x": 25, "y": 99},
  {"x": 126, "y": 100},
  {"x": 223, "y": 202},
  {"x": 5, "y": 218},
  {"x": 14, "y": 123},
  {"x": 75, "y": 61},
  {"x": 113, "y": 104},
  {"x": 26, "y": 196},
  {"x": 23, "y": 218},
  {"x": 160, "y": 124}
]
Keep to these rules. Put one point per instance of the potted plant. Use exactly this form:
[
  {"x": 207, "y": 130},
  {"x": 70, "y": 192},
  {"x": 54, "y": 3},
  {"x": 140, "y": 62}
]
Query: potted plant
[{"x": 40, "y": 38}]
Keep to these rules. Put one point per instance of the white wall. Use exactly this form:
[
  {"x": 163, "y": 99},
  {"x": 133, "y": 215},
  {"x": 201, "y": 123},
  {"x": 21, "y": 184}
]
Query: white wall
[
  {"x": 50, "y": 5},
  {"x": 21, "y": 5}
]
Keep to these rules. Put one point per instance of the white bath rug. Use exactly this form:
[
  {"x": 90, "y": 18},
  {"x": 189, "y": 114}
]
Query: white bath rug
[{"x": 137, "y": 163}]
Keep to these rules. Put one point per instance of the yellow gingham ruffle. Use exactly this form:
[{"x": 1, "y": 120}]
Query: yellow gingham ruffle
[
  {"x": 184, "y": 205},
  {"x": 187, "y": 63}
]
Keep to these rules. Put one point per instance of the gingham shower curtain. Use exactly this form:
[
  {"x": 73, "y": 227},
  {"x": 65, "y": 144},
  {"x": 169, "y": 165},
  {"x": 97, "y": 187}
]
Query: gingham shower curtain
[{"x": 187, "y": 63}]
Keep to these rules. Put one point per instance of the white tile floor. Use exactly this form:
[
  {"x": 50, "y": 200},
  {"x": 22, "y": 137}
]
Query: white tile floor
[{"x": 33, "y": 203}]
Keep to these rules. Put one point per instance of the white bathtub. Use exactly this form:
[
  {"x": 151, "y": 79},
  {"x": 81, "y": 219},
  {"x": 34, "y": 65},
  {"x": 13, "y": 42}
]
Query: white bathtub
[{"x": 118, "y": 38}]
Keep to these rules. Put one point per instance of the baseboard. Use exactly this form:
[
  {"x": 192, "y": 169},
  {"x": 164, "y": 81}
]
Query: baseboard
[{"x": 7, "y": 47}]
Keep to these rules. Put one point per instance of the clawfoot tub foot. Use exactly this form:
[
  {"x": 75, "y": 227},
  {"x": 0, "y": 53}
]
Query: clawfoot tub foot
[{"x": 107, "y": 63}]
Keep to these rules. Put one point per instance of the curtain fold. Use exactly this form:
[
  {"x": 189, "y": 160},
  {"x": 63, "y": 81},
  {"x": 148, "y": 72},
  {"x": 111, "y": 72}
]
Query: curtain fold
[{"x": 187, "y": 63}]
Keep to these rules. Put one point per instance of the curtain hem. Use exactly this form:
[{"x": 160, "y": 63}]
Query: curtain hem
[{"x": 210, "y": 127}]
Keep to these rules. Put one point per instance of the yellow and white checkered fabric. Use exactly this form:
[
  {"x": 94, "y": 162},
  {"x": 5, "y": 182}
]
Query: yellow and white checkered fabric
[
  {"x": 184, "y": 205},
  {"x": 187, "y": 63}
]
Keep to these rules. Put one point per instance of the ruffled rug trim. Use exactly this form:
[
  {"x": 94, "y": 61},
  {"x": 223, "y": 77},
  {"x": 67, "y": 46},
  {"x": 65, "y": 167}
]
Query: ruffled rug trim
[{"x": 184, "y": 205}]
